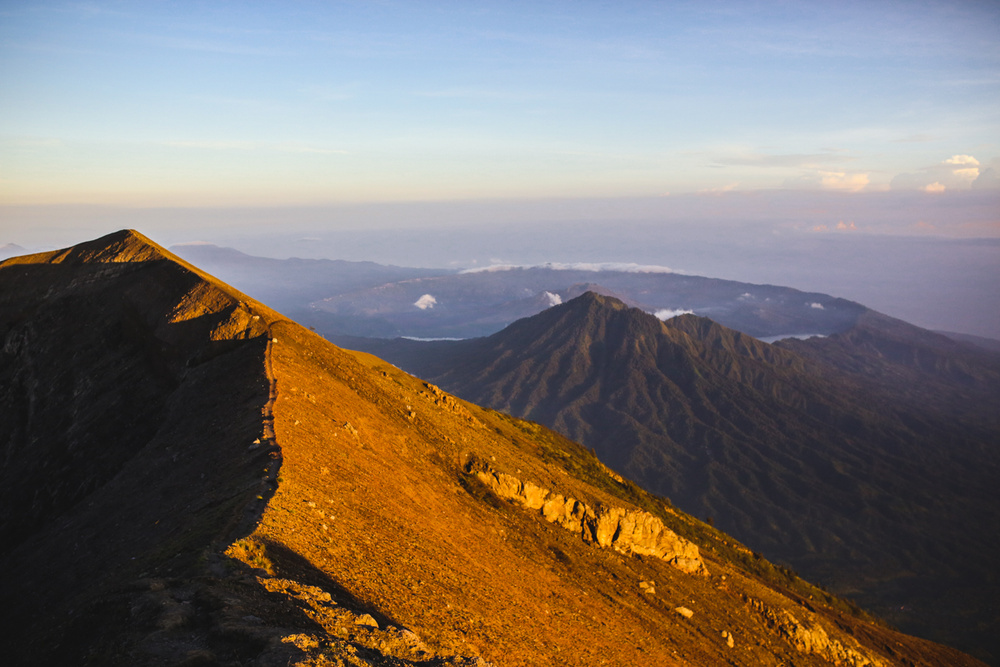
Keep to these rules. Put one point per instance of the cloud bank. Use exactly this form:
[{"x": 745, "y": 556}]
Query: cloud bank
[
  {"x": 959, "y": 172},
  {"x": 668, "y": 313},
  {"x": 623, "y": 267}
]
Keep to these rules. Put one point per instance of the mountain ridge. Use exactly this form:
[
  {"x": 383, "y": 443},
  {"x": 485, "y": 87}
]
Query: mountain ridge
[{"x": 283, "y": 501}]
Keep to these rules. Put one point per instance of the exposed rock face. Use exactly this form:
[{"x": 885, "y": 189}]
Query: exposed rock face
[
  {"x": 810, "y": 637},
  {"x": 448, "y": 402},
  {"x": 625, "y": 531}
]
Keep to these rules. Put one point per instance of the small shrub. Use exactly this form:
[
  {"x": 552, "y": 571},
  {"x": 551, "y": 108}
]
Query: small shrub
[{"x": 251, "y": 552}]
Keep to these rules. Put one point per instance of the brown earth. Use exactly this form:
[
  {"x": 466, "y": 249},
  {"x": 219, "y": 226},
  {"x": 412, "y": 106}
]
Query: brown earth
[{"x": 207, "y": 483}]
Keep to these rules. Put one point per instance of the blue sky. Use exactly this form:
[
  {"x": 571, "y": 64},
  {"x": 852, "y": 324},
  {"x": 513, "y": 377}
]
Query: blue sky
[{"x": 187, "y": 104}]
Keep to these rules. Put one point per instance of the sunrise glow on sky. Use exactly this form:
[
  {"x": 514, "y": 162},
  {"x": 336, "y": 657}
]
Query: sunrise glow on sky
[{"x": 266, "y": 103}]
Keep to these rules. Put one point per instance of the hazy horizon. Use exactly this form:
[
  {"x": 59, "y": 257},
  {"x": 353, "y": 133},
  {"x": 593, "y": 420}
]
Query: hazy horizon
[
  {"x": 934, "y": 281},
  {"x": 850, "y": 148}
]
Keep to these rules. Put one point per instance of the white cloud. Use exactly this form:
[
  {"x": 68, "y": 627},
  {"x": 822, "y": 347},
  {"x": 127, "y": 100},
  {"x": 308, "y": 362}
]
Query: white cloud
[
  {"x": 427, "y": 340},
  {"x": 817, "y": 305},
  {"x": 958, "y": 172},
  {"x": 840, "y": 180},
  {"x": 914, "y": 138},
  {"x": 554, "y": 299},
  {"x": 291, "y": 147},
  {"x": 667, "y": 313},
  {"x": 623, "y": 267},
  {"x": 795, "y": 160},
  {"x": 283, "y": 147},
  {"x": 478, "y": 93},
  {"x": 962, "y": 160},
  {"x": 805, "y": 336},
  {"x": 332, "y": 93},
  {"x": 425, "y": 302},
  {"x": 213, "y": 145},
  {"x": 722, "y": 189},
  {"x": 843, "y": 181}
]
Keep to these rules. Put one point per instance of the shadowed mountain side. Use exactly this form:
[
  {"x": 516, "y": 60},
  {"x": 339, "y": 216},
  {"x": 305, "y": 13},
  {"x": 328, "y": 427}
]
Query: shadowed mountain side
[
  {"x": 991, "y": 344},
  {"x": 824, "y": 469},
  {"x": 404, "y": 527},
  {"x": 122, "y": 457},
  {"x": 930, "y": 371}
]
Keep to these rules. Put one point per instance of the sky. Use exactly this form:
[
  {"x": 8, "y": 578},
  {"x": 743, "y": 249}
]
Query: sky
[
  {"x": 747, "y": 120},
  {"x": 265, "y": 103}
]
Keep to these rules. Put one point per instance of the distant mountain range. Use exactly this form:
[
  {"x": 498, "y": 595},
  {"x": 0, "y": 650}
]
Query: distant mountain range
[
  {"x": 190, "y": 478},
  {"x": 364, "y": 299},
  {"x": 11, "y": 250},
  {"x": 292, "y": 284},
  {"x": 866, "y": 459}
]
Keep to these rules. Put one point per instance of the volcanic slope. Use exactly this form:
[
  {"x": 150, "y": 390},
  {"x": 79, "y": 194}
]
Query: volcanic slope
[
  {"x": 872, "y": 473},
  {"x": 192, "y": 479}
]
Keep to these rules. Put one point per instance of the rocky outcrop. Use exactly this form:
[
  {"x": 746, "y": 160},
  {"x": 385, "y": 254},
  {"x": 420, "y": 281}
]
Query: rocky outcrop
[
  {"x": 448, "y": 402},
  {"x": 810, "y": 637},
  {"x": 624, "y": 530}
]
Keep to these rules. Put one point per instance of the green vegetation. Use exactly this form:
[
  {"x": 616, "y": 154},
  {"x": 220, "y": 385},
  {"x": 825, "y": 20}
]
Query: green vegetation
[
  {"x": 252, "y": 552},
  {"x": 475, "y": 488},
  {"x": 583, "y": 464}
]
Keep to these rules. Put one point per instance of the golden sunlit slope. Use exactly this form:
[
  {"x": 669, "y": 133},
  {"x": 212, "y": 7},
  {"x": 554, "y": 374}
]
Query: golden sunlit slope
[{"x": 160, "y": 420}]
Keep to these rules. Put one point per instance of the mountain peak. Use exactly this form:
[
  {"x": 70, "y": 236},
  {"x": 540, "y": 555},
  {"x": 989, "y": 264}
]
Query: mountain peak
[
  {"x": 592, "y": 299},
  {"x": 126, "y": 245},
  {"x": 11, "y": 250},
  {"x": 123, "y": 246},
  {"x": 577, "y": 323}
]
